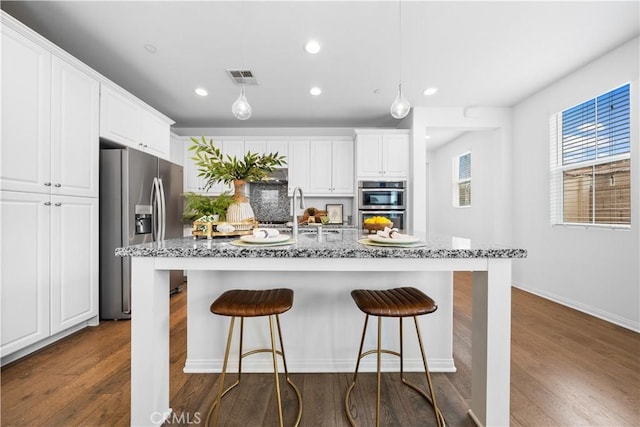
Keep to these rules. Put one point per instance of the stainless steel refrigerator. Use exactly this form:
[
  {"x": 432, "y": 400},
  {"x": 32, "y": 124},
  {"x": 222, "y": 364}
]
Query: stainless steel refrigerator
[{"x": 140, "y": 202}]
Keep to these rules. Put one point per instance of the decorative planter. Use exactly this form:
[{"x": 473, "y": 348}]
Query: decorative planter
[{"x": 240, "y": 210}]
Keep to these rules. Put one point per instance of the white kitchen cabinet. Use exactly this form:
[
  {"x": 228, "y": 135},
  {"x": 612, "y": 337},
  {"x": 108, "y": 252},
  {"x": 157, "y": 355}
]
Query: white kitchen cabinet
[
  {"x": 120, "y": 118},
  {"x": 49, "y": 266},
  {"x": 127, "y": 122},
  {"x": 382, "y": 155},
  {"x": 298, "y": 162},
  {"x": 155, "y": 137},
  {"x": 75, "y": 144},
  {"x": 255, "y": 146},
  {"x": 331, "y": 167},
  {"x": 25, "y": 269},
  {"x": 74, "y": 261},
  {"x": 342, "y": 152},
  {"x": 320, "y": 181},
  {"x": 280, "y": 147},
  {"x": 26, "y": 114},
  {"x": 49, "y": 122}
]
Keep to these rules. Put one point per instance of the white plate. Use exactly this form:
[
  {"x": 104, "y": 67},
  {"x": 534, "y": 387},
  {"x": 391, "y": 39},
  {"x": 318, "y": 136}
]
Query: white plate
[
  {"x": 399, "y": 241},
  {"x": 265, "y": 240}
]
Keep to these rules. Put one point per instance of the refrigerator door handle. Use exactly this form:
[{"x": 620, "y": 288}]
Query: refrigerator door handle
[
  {"x": 154, "y": 209},
  {"x": 163, "y": 210}
]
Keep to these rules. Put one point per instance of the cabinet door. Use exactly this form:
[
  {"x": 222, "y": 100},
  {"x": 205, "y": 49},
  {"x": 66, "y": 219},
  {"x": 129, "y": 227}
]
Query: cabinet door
[
  {"x": 298, "y": 165},
  {"x": 254, "y": 146},
  {"x": 75, "y": 143},
  {"x": 26, "y": 114},
  {"x": 395, "y": 154},
  {"x": 155, "y": 135},
  {"x": 342, "y": 167},
  {"x": 119, "y": 118},
  {"x": 320, "y": 167},
  {"x": 280, "y": 147},
  {"x": 369, "y": 156},
  {"x": 74, "y": 261},
  {"x": 24, "y": 239}
]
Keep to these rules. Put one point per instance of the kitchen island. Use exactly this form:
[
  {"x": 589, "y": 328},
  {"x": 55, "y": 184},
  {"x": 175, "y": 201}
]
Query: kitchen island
[{"x": 321, "y": 331}]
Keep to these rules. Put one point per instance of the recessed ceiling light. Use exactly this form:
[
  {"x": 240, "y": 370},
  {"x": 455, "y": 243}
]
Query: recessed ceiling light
[
  {"x": 315, "y": 91},
  {"x": 427, "y": 137},
  {"x": 150, "y": 48},
  {"x": 430, "y": 91},
  {"x": 201, "y": 91},
  {"x": 312, "y": 47}
]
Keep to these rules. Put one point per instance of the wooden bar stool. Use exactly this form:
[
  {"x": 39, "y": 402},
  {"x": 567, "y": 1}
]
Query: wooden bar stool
[
  {"x": 400, "y": 303},
  {"x": 254, "y": 303}
]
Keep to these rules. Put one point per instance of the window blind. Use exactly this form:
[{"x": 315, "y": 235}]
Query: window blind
[
  {"x": 590, "y": 161},
  {"x": 464, "y": 180},
  {"x": 597, "y": 128}
]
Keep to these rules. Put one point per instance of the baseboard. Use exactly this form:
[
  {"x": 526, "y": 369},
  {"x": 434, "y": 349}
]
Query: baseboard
[
  {"x": 12, "y": 357},
  {"x": 193, "y": 366},
  {"x": 592, "y": 311}
]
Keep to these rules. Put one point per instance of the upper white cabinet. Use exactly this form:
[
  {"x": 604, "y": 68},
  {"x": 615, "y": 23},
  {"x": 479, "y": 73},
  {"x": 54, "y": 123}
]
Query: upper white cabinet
[
  {"x": 321, "y": 167},
  {"x": 331, "y": 167},
  {"x": 49, "y": 122},
  {"x": 382, "y": 154},
  {"x": 125, "y": 121},
  {"x": 74, "y": 131},
  {"x": 298, "y": 163}
]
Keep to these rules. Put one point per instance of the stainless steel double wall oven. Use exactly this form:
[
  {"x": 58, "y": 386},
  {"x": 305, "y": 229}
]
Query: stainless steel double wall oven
[{"x": 383, "y": 198}]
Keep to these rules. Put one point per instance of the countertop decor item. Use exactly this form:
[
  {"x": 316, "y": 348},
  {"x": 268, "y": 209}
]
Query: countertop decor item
[
  {"x": 198, "y": 205},
  {"x": 213, "y": 167}
]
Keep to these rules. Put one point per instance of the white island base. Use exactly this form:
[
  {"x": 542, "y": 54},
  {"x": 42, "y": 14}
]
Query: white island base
[
  {"x": 323, "y": 329},
  {"x": 321, "y": 304}
]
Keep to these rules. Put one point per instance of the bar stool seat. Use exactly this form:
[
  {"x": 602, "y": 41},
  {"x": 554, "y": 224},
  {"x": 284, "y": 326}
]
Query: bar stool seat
[
  {"x": 254, "y": 303},
  {"x": 400, "y": 303}
]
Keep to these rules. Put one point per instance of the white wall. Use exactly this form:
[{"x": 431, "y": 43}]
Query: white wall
[
  {"x": 593, "y": 270},
  {"x": 474, "y": 222},
  {"x": 499, "y": 120}
]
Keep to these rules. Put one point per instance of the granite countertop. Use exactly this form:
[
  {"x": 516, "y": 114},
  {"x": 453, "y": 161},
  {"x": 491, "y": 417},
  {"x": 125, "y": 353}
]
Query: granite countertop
[{"x": 335, "y": 244}]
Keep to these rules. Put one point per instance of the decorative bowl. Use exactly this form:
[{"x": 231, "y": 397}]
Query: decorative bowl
[{"x": 377, "y": 226}]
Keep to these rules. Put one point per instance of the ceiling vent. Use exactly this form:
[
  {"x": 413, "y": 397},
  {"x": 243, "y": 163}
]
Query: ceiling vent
[{"x": 242, "y": 76}]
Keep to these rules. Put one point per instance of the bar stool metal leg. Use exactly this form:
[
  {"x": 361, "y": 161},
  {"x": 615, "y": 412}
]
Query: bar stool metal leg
[
  {"x": 378, "y": 351},
  {"x": 275, "y": 371}
]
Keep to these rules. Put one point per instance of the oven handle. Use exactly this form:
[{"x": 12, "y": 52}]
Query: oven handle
[
  {"x": 385, "y": 211},
  {"x": 363, "y": 189}
]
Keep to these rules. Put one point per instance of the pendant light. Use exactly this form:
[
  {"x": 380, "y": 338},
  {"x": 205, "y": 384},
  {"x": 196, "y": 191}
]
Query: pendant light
[
  {"x": 401, "y": 106},
  {"x": 241, "y": 108}
]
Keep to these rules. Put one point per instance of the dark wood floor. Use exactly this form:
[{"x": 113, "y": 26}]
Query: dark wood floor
[{"x": 567, "y": 369}]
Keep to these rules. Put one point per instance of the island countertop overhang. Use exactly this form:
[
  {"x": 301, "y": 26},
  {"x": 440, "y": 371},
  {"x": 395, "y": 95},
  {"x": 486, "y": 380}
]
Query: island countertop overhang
[{"x": 342, "y": 244}]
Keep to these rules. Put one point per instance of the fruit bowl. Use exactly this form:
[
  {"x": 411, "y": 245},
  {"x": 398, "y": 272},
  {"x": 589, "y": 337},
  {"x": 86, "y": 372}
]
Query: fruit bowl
[{"x": 372, "y": 227}]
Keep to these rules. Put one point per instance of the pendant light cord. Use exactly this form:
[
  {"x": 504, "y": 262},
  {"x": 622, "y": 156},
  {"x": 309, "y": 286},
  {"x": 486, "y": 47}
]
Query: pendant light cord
[{"x": 400, "y": 39}]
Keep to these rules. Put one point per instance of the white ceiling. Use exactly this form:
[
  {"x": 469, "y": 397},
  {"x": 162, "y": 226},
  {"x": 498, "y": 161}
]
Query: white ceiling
[{"x": 477, "y": 53}]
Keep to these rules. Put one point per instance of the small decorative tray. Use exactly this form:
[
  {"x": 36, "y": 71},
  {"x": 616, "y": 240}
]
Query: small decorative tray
[{"x": 209, "y": 229}]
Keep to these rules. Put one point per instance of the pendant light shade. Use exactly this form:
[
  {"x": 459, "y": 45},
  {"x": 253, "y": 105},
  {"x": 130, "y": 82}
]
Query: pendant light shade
[
  {"x": 400, "y": 107},
  {"x": 241, "y": 108}
]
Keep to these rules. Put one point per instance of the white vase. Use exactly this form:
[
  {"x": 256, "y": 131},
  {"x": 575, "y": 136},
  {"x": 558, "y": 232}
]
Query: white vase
[{"x": 240, "y": 210}]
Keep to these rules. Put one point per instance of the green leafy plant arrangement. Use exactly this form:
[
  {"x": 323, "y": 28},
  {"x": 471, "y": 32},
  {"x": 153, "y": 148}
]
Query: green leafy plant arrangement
[
  {"x": 197, "y": 206},
  {"x": 214, "y": 167}
]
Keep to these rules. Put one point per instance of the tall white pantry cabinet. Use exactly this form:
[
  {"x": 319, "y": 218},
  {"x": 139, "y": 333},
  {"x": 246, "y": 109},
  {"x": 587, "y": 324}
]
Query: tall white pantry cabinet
[{"x": 48, "y": 194}]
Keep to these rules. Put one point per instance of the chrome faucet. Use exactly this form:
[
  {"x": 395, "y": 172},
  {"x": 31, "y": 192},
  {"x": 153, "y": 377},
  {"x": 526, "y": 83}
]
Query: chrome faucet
[{"x": 295, "y": 217}]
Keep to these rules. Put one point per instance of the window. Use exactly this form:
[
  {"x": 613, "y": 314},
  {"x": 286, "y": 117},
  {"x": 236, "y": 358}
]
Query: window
[
  {"x": 462, "y": 180},
  {"x": 591, "y": 161}
]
